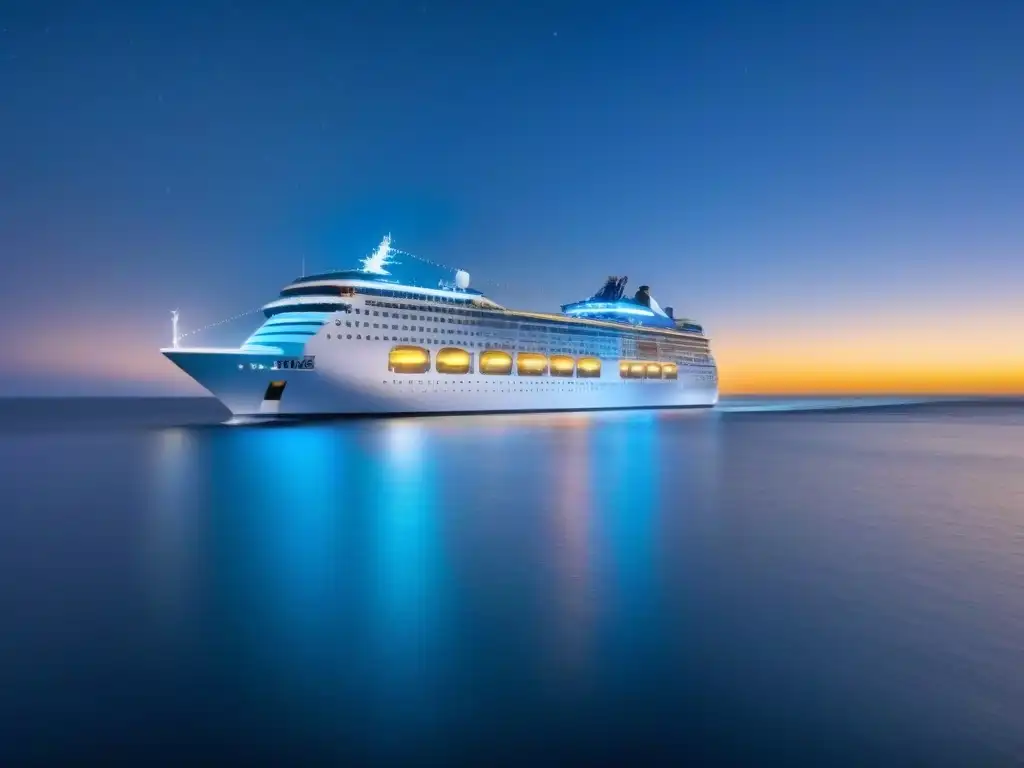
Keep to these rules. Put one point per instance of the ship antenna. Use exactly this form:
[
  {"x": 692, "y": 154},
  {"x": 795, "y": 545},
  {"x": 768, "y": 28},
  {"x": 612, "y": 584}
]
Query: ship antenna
[{"x": 174, "y": 328}]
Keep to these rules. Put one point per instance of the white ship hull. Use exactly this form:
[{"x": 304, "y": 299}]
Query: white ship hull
[{"x": 357, "y": 382}]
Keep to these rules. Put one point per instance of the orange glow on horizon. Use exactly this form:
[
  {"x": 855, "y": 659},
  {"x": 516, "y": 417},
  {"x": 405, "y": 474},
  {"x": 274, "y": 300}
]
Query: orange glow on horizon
[
  {"x": 803, "y": 354},
  {"x": 750, "y": 380},
  {"x": 980, "y": 355}
]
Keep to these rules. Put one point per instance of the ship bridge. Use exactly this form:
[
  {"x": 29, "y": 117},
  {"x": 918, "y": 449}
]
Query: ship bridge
[
  {"x": 387, "y": 272},
  {"x": 309, "y": 301}
]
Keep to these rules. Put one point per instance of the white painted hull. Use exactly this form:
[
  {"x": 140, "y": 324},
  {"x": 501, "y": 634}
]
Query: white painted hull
[{"x": 354, "y": 379}]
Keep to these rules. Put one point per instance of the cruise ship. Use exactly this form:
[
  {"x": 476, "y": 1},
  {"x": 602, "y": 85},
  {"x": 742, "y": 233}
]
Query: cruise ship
[{"x": 399, "y": 334}]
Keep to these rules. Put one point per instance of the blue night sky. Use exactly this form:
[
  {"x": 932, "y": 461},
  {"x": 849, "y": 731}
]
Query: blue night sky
[{"x": 833, "y": 182}]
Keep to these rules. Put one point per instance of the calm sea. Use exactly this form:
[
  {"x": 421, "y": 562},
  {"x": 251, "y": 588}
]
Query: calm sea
[{"x": 775, "y": 580}]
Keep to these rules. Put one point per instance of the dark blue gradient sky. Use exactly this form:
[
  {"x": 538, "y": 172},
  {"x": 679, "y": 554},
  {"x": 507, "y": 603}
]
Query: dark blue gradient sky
[{"x": 823, "y": 184}]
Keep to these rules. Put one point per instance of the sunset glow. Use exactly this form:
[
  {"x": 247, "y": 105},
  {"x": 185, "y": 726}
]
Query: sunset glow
[{"x": 838, "y": 208}]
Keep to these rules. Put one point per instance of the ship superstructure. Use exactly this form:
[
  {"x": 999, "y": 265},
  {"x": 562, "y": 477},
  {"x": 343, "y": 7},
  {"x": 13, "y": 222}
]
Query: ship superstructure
[{"x": 399, "y": 334}]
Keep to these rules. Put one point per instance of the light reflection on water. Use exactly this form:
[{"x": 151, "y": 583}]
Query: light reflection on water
[
  {"x": 574, "y": 511},
  {"x": 408, "y": 552},
  {"x": 172, "y": 537},
  {"x": 292, "y": 480},
  {"x": 392, "y": 586}
]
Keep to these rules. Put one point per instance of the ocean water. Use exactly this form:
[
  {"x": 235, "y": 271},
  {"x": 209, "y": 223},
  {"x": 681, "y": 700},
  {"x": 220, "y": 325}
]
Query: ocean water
[{"x": 815, "y": 582}]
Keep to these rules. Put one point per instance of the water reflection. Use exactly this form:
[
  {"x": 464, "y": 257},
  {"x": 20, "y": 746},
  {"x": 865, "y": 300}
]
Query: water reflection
[
  {"x": 295, "y": 481},
  {"x": 375, "y": 580},
  {"x": 172, "y": 532},
  {"x": 630, "y": 472},
  {"x": 690, "y": 447},
  {"x": 574, "y": 510},
  {"x": 407, "y": 546}
]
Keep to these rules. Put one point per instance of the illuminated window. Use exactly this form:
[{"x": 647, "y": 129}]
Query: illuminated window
[
  {"x": 494, "y": 362},
  {"x": 408, "y": 360},
  {"x": 632, "y": 369},
  {"x": 670, "y": 371},
  {"x": 653, "y": 371},
  {"x": 531, "y": 364},
  {"x": 453, "y": 360},
  {"x": 588, "y": 368},
  {"x": 562, "y": 365}
]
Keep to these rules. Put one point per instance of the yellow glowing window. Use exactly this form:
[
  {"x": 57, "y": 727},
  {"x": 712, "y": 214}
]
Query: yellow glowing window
[
  {"x": 453, "y": 360},
  {"x": 670, "y": 371},
  {"x": 653, "y": 371},
  {"x": 408, "y": 360},
  {"x": 632, "y": 369},
  {"x": 494, "y": 362},
  {"x": 562, "y": 365},
  {"x": 588, "y": 368},
  {"x": 531, "y": 364}
]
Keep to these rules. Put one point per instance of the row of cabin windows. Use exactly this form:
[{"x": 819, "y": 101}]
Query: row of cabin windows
[
  {"x": 645, "y": 369},
  {"x": 606, "y": 344},
  {"x": 608, "y": 347},
  {"x": 488, "y": 318},
  {"x": 582, "y": 349},
  {"x": 492, "y": 362},
  {"x": 503, "y": 345},
  {"x": 454, "y": 360},
  {"x": 607, "y": 350},
  {"x": 492, "y": 318}
]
